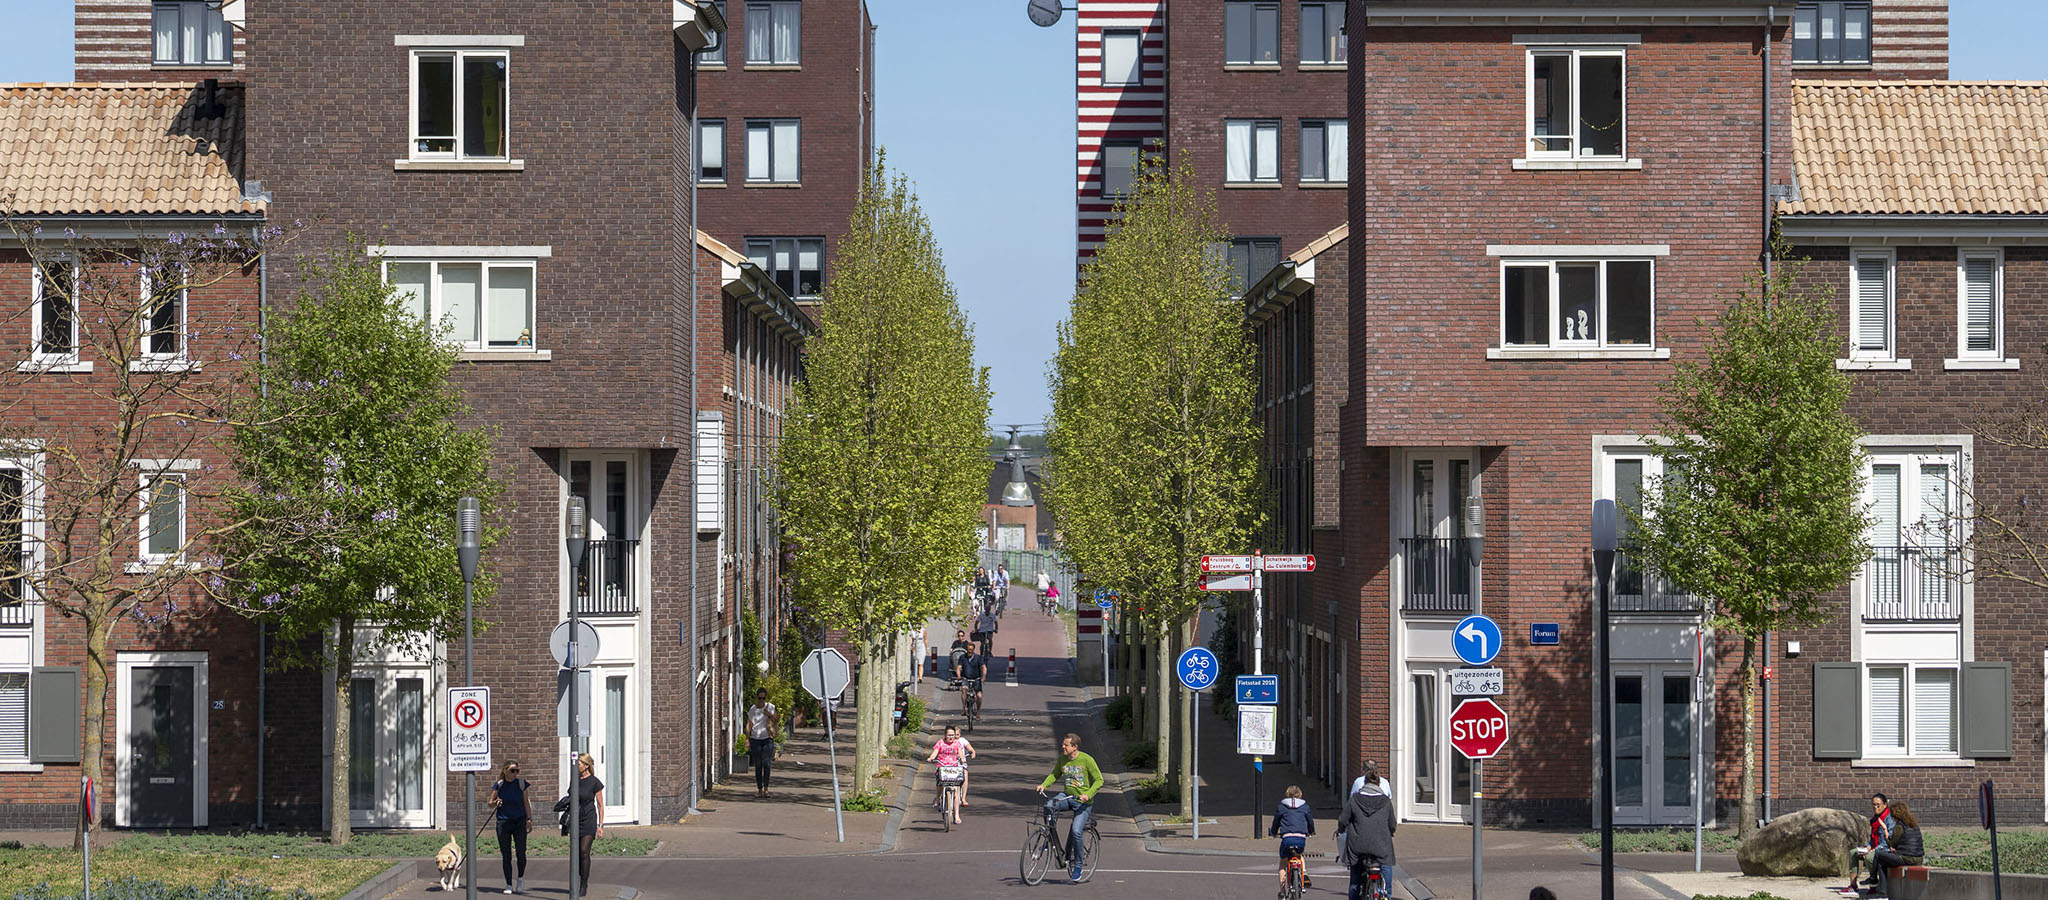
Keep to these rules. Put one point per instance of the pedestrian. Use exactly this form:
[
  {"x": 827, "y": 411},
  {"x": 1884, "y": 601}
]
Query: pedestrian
[
  {"x": 1881, "y": 824},
  {"x": 1293, "y": 823},
  {"x": 515, "y": 819},
  {"x": 589, "y": 816},
  {"x": 764, "y": 723},
  {"x": 1905, "y": 849},
  {"x": 1368, "y": 828},
  {"x": 919, "y": 651},
  {"x": 1540, "y": 892}
]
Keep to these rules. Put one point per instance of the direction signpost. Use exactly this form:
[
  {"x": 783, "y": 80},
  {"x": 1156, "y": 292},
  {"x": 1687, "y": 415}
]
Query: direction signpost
[
  {"x": 824, "y": 675},
  {"x": 1105, "y": 599},
  {"x": 1197, "y": 669},
  {"x": 1478, "y": 729},
  {"x": 1221, "y": 573}
]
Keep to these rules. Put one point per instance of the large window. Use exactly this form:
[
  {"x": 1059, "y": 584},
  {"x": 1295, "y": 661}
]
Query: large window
[
  {"x": 1249, "y": 260},
  {"x": 1325, "y": 151},
  {"x": 189, "y": 33},
  {"x": 162, "y": 526},
  {"x": 1912, "y": 709},
  {"x": 1980, "y": 288},
  {"x": 1870, "y": 306},
  {"x": 713, "y": 53},
  {"x": 1833, "y": 31},
  {"x": 773, "y": 150},
  {"x": 1576, "y": 303},
  {"x": 459, "y": 102},
  {"x": 1121, "y": 57},
  {"x": 775, "y": 32},
  {"x": 1251, "y": 150},
  {"x": 1119, "y": 167},
  {"x": 1251, "y": 32},
  {"x": 475, "y": 304},
  {"x": 711, "y": 150},
  {"x": 1322, "y": 33},
  {"x": 1576, "y": 105},
  {"x": 55, "y": 312},
  {"x": 795, "y": 264}
]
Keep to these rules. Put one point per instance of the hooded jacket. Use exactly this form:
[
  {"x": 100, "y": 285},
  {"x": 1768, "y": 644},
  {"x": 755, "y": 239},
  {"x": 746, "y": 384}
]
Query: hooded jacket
[
  {"x": 1368, "y": 826},
  {"x": 1293, "y": 817}
]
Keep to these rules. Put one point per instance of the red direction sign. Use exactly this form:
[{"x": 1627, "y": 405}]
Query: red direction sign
[
  {"x": 1298, "y": 562},
  {"x": 1227, "y": 581},
  {"x": 1217, "y": 563},
  {"x": 1479, "y": 728}
]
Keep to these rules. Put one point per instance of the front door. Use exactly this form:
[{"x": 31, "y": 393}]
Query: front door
[
  {"x": 611, "y": 738},
  {"x": 389, "y": 721},
  {"x": 162, "y": 747},
  {"x": 1440, "y": 785},
  {"x": 1653, "y": 745}
]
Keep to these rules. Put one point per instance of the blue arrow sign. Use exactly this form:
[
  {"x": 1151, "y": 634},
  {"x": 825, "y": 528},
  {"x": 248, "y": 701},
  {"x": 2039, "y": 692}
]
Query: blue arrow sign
[
  {"x": 1258, "y": 690},
  {"x": 1105, "y": 599},
  {"x": 1197, "y": 669},
  {"x": 1476, "y": 639}
]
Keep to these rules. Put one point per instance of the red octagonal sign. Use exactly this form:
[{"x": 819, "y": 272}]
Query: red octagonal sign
[{"x": 1479, "y": 728}]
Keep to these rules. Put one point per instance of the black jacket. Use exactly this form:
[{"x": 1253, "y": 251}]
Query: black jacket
[
  {"x": 1368, "y": 827},
  {"x": 1293, "y": 817},
  {"x": 1906, "y": 842}
]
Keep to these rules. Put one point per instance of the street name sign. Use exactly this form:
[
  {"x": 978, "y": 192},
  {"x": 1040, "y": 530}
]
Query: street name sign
[
  {"x": 1197, "y": 669},
  {"x": 469, "y": 729},
  {"x": 1479, "y": 728},
  {"x": 1477, "y": 682},
  {"x": 1227, "y": 581},
  {"x": 1543, "y": 633},
  {"x": 1258, "y": 690},
  {"x": 1217, "y": 563},
  {"x": 1476, "y": 639}
]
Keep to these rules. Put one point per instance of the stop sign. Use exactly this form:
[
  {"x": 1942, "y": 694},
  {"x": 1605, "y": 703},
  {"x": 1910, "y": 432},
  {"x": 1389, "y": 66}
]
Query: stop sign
[{"x": 1478, "y": 728}]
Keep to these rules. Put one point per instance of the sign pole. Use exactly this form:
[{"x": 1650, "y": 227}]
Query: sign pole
[
  {"x": 1478, "y": 823},
  {"x": 832, "y": 744},
  {"x": 1258, "y": 668},
  {"x": 86, "y": 812},
  {"x": 1195, "y": 777},
  {"x": 469, "y": 778},
  {"x": 1699, "y": 756}
]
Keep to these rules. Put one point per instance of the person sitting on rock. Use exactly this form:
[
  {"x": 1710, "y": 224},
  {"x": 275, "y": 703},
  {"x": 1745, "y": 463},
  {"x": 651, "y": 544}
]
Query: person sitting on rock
[
  {"x": 1906, "y": 849},
  {"x": 1881, "y": 825}
]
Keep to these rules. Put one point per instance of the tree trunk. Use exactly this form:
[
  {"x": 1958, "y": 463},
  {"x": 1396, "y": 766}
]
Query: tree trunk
[
  {"x": 1746, "y": 828},
  {"x": 337, "y": 789},
  {"x": 867, "y": 745},
  {"x": 1190, "y": 707},
  {"x": 1162, "y": 730},
  {"x": 96, "y": 690}
]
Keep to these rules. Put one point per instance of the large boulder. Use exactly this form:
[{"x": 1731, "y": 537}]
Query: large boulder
[{"x": 1812, "y": 842}]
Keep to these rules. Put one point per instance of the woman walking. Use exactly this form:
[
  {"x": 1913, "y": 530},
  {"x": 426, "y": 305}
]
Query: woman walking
[
  {"x": 763, "y": 724},
  {"x": 919, "y": 651},
  {"x": 508, "y": 797},
  {"x": 589, "y": 816}
]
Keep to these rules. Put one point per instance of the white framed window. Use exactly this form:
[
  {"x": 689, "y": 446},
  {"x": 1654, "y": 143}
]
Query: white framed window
[
  {"x": 711, "y": 151},
  {"x": 775, "y": 32},
  {"x": 189, "y": 33},
  {"x": 1325, "y": 151},
  {"x": 17, "y": 531},
  {"x": 774, "y": 150},
  {"x": 14, "y": 715},
  {"x": 161, "y": 527},
  {"x": 1871, "y": 306},
  {"x": 1251, "y": 151},
  {"x": 1577, "y": 103},
  {"x": 1577, "y": 303},
  {"x": 1980, "y": 304},
  {"x": 1251, "y": 32},
  {"x": 1322, "y": 33},
  {"x": 795, "y": 264},
  {"x": 460, "y": 101},
  {"x": 162, "y": 329},
  {"x": 1911, "y": 709},
  {"x": 477, "y": 304},
  {"x": 1122, "y": 57},
  {"x": 1914, "y": 573},
  {"x": 53, "y": 314}
]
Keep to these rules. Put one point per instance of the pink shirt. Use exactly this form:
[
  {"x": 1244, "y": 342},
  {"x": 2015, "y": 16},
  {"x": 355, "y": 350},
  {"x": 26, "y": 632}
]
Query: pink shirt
[{"x": 948, "y": 752}]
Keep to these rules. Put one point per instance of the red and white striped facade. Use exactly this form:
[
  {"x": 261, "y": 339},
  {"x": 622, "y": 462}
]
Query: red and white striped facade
[{"x": 1112, "y": 113}]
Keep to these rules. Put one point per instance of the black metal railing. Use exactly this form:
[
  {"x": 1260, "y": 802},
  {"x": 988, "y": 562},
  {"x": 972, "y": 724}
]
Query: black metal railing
[
  {"x": 1439, "y": 574},
  {"x": 604, "y": 586},
  {"x": 15, "y": 609},
  {"x": 1912, "y": 584},
  {"x": 1637, "y": 589}
]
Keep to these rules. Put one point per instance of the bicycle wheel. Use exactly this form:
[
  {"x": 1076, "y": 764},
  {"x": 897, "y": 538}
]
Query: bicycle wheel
[
  {"x": 1091, "y": 843},
  {"x": 947, "y": 798},
  {"x": 1036, "y": 859},
  {"x": 1294, "y": 880}
]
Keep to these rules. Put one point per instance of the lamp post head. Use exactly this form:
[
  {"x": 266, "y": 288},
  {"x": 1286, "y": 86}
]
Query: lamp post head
[
  {"x": 1475, "y": 526},
  {"x": 468, "y": 522},
  {"x": 1606, "y": 536},
  {"x": 576, "y": 529},
  {"x": 1018, "y": 491}
]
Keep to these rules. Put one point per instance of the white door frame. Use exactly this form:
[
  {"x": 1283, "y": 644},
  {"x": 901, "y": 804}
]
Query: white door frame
[
  {"x": 125, "y": 664},
  {"x": 384, "y": 680}
]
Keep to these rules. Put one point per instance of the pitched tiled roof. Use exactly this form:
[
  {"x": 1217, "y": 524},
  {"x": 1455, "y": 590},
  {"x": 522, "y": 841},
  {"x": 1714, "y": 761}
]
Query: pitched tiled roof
[
  {"x": 1920, "y": 147},
  {"x": 71, "y": 149}
]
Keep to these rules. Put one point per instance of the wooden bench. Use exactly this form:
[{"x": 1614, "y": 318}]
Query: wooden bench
[{"x": 1907, "y": 882}]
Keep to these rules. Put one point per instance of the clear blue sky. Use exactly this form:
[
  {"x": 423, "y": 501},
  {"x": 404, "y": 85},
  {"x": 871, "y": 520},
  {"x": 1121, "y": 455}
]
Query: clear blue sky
[{"x": 976, "y": 105}]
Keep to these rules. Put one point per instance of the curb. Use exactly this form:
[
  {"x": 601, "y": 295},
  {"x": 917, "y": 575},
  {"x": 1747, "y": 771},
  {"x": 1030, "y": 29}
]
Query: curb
[
  {"x": 384, "y": 883},
  {"x": 900, "y": 808}
]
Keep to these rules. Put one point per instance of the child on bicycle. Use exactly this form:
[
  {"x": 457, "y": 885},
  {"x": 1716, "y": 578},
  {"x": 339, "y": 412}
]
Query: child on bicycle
[
  {"x": 1293, "y": 822},
  {"x": 952, "y": 750}
]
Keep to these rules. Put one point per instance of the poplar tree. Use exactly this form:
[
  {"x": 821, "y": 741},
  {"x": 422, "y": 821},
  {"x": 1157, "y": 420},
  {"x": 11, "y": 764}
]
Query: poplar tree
[
  {"x": 882, "y": 469},
  {"x": 1154, "y": 445},
  {"x": 1759, "y": 512}
]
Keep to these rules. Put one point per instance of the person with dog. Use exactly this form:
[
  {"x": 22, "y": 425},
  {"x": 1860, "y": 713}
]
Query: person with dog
[
  {"x": 590, "y": 815},
  {"x": 515, "y": 819}
]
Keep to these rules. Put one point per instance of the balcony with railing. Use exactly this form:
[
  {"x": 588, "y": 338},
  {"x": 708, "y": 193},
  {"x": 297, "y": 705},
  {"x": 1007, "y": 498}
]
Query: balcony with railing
[
  {"x": 15, "y": 610},
  {"x": 1912, "y": 584},
  {"x": 1439, "y": 574},
  {"x": 1639, "y": 590},
  {"x": 606, "y": 584}
]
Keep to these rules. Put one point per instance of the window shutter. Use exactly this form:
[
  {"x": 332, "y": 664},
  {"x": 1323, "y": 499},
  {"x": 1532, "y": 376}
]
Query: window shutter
[
  {"x": 1835, "y": 721},
  {"x": 1934, "y": 711},
  {"x": 53, "y": 709},
  {"x": 1987, "y": 710},
  {"x": 1980, "y": 305},
  {"x": 1873, "y": 304}
]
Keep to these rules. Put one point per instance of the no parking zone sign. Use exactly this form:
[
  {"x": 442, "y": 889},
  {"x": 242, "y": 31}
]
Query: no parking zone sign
[{"x": 469, "y": 729}]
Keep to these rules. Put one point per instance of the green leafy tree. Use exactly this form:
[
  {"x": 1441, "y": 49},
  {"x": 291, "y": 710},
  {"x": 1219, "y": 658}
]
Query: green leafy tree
[
  {"x": 1759, "y": 513},
  {"x": 352, "y": 545},
  {"x": 1154, "y": 445},
  {"x": 882, "y": 475}
]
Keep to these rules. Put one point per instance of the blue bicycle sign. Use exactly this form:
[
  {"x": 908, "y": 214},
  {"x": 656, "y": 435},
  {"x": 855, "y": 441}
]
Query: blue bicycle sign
[{"x": 1198, "y": 669}]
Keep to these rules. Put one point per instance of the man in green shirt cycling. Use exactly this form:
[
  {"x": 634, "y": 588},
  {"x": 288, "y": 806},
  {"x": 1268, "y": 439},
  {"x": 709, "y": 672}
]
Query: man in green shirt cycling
[{"x": 1079, "y": 780}]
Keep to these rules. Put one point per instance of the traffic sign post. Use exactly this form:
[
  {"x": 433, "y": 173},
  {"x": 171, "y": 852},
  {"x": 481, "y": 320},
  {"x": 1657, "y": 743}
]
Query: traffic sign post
[
  {"x": 1258, "y": 690},
  {"x": 1478, "y": 729},
  {"x": 1220, "y": 575},
  {"x": 1477, "y": 640},
  {"x": 1197, "y": 669},
  {"x": 824, "y": 675},
  {"x": 1477, "y": 682},
  {"x": 469, "y": 729}
]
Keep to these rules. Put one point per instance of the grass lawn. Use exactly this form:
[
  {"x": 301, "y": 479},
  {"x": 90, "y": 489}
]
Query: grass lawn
[
  {"x": 1666, "y": 840},
  {"x": 381, "y": 845},
  {"x": 325, "y": 879},
  {"x": 2020, "y": 850}
]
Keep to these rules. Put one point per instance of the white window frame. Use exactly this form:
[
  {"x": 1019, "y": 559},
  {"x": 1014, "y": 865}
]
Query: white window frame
[
  {"x": 435, "y": 315},
  {"x": 37, "y": 355},
  {"x": 412, "y": 111},
  {"x": 774, "y": 177},
  {"x": 1997, "y": 351},
  {"x": 1137, "y": 74},
  {"x": 151, "y": 471},
  {"x": 147, "y": 358},
  {"x": 1533, "y": 143},
  {"x": 1909, "y": 721},
  {"x": 1254, "y": 126},
  {"x": 210, "y": 17},
  {"x": 1331, "y": 151},
  {"x": 1553, "y": 317},
  {"x": 1890, "y": 351}
]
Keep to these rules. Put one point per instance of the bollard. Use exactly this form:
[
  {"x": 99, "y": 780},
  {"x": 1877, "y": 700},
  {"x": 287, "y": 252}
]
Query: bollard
[{"x": 1013, "y": 662}]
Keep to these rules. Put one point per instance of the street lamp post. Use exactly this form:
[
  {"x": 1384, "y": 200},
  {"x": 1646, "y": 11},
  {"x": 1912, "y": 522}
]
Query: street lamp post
[
  {"x": 576, "y": 539},
  {"x": 1475, "y": 540},
  {"x": 468, "y": 516},
  {"x": 1604, "y": 543}
]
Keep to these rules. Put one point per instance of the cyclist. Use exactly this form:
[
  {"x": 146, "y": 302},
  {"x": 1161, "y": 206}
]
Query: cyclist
[
  {"x": 1368, "y": 828},
  {"x": 985, "y": 628},
  {"x": 1079, "y": 779},
  {"x": 952, "y": 750},
  {"x": 1293, "y": 822},
  {"x": 972, "y": 670},
  {"x": 958, "y": 653}
]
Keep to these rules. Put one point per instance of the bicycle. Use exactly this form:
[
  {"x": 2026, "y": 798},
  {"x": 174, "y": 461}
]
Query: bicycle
[
  {"x": 1297, "y": 875},
  {"x": 970, "y": 703},
  {"x": 951, "y": 780},
  {"x": 1379, "y": 883},
  {"x": 1044, "y": 848}
]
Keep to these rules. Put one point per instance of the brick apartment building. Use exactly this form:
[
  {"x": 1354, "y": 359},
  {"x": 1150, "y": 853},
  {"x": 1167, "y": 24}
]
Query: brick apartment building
[{"x": 83, "y": 175}]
